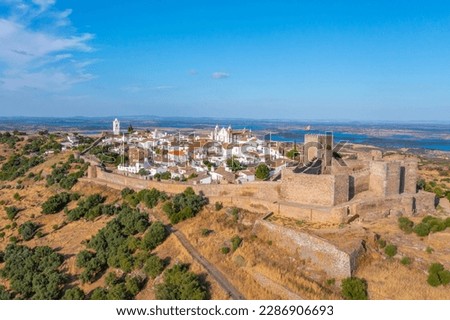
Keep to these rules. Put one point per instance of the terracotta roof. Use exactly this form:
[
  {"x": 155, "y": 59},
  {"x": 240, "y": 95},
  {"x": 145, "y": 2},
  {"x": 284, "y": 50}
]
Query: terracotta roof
[{"x": 177, "y": 152}]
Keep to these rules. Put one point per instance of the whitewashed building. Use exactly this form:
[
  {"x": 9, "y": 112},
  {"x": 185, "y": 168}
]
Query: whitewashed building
[{"x": 116, "y": 127}]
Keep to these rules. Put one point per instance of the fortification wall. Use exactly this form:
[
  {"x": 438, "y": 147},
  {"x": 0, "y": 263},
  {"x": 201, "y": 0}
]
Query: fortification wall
[
  {"x": 393, "y": 178},
  {"x": 410, "y": 176},
  {"x": 424, "y": 202},
  {"x": 375, "y": 208},
  {"x": 359, "y": 182},
  {"x": 268, "y": 191},
  {"x": 302, "y": 197},
  {"x": 138, "y": 184},
  {"x": 307, "y": 188},
  {"x": 377, "y": 182},
  {"x": 334, "y": 261},
  {"x": 300, "y": 188},
  {"x": 341, "y": 188}
]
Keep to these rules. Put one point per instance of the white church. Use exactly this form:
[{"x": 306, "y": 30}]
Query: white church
[{"x": 229, "y": 135}]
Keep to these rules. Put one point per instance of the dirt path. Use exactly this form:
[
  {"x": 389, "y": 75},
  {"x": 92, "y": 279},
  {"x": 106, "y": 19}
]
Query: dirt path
[{"x": 212, "y": 270}]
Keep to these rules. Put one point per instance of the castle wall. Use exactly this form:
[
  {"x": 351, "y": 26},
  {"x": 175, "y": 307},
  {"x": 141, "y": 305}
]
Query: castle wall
[
  {"x": 377, "y": 181},
  {"x": 334, "y": 261},
  {"x": 358, "y": 182},
  {"x": 410, "y": 178},
  {"x": 299, "y": 196},
  {"x": 308, "y": 188},
  {"x": 375, "y": 208},
  {"x": 341, "y": 188},
  {"x": 393, "y": 178},
  {"x": 424, "y": 202}
]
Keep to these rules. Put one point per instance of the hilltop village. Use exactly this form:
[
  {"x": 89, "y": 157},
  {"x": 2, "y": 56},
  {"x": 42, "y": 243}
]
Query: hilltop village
[{"x": 318, "y": 179}]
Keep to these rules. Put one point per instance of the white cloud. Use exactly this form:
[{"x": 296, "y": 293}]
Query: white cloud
[
  {"x": 56, "y": 80},
  {"x": 43, "y": 4},
  {"x": 220, "y": 75},
  {"x": 21, "y": 46},
  {"x": 48, "y": 57}
]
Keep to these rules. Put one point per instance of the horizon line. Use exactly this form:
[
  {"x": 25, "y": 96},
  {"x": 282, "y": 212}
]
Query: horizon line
[{"x": 227, "y": 118}]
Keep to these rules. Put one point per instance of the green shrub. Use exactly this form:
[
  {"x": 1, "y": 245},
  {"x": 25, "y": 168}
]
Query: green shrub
[
  {"x": 181, "y": 284},
  {"x": 17, "y": 196},
  {"x": 74, "y": 294},
  {"x": 218, "y": 206},
  {"x": 99, "y": 294},
  {"x": 225, "y": 250},
  {"x": 422, "y": 229},
  {"x": 236, "y": 242},
  {"x": 28, "y": 230},
  {"x": 113, "y": 245},
  {"x": 11, "y": 212},
  {"x": 354, "y": 289},
  {"x": 433, "y": 280},
  {"x": 56, "y": 203},
  {"x": 405, "y": 224},
  {"x": 390, "y": 250},
  {"x": 437, "y": 275},
  {"x": 262, "y": 171},
  {"x": 18, "y": 165},
  {"x": 165, "y": 175},
  {"x": 406, "y": 261},
  {"x": 151, "y": 197},
  {"x": 34, "y": 273},
  {"x": 235, "y": 213},
  {"x": 153, "y": 266},
  {"x": 429, "y": 250},
  {"x": 83, "y": 258},
  {"x": 445, "y": 277},
  {"x": 331, "y": 282},
  {"x": 91, "y": 208},
  {"x": 184, "y": 205},
  {"x": 5, "y": 294},
  {"x": 133, "y": 284},
  {"x": 154, "y": 236}
]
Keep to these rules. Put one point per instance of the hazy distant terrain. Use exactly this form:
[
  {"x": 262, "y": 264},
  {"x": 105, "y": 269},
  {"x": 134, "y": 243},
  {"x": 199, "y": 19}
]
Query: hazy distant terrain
[{"x": 429, "y": 136}]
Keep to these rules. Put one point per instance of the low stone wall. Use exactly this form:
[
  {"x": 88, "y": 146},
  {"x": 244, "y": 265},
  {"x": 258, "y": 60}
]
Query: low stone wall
[
  {"x": 374, "y": 208},
  {"x": 334, "y": 261},
  {"x": 291, "y": 210}
]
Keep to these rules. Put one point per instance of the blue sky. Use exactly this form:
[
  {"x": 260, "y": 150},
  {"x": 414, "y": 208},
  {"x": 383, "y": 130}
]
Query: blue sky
[{"x": 358, "y": 60}]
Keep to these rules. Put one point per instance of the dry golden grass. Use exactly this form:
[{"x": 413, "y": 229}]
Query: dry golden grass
[
  {"x": 388, "y": 279},
  {"x": 259, "y": 270}
]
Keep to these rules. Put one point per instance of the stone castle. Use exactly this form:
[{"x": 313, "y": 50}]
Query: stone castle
[{"x": 323, "y": 187}]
